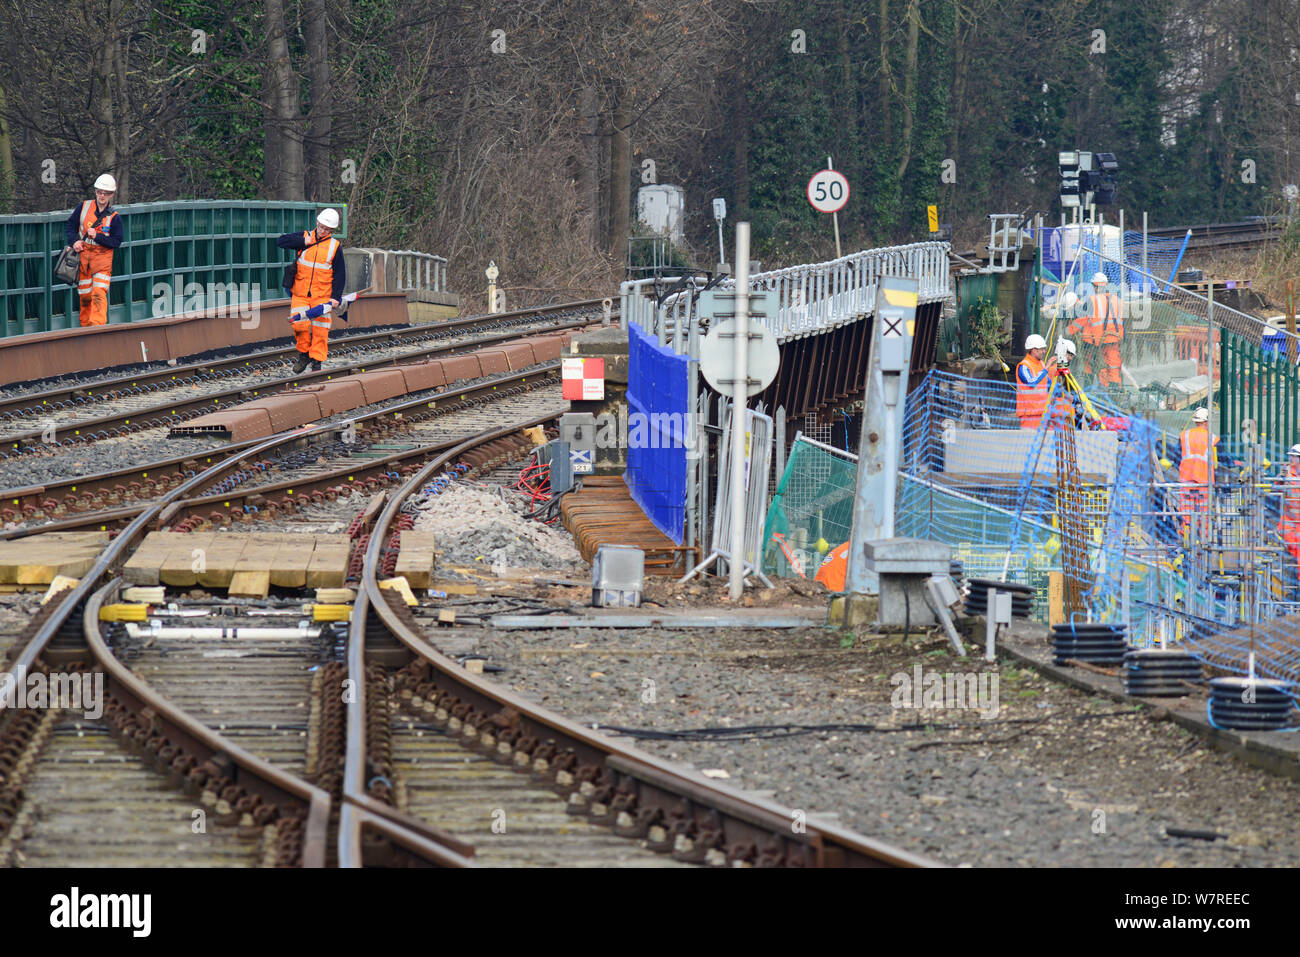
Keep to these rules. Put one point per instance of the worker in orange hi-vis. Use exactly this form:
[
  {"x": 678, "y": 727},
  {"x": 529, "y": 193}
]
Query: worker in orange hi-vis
[
  {"x": 94, "y": 230},
  {"x": 319, "y": 279},
  {"x": 1196, "y": 469},
  {"x": 1033, "y": 382},
  {"x": 1102, "y": 330},
  {"x": 1289, "y": 525}
]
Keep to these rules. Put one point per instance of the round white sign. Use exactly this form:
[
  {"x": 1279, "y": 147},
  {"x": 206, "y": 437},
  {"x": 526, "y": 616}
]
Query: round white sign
[{"x": 828, "y": 191}]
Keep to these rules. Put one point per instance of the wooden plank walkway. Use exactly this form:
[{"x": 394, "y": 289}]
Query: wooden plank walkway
[
  {"x": 246, "y": 565},
  {"x": 38, "y": 559}
]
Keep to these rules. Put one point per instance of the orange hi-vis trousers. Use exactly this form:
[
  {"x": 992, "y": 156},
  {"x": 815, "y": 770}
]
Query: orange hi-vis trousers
[
  {"x": 93, "y": 276},
  {"x": 312, "y": 335}
]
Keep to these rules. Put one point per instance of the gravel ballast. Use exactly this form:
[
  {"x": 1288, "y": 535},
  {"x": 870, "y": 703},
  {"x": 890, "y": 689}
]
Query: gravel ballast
[{"x": 1058, "y": 777}]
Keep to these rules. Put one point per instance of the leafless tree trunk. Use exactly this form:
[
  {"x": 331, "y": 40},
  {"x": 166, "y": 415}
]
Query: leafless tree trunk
[
  {"x": 106, "y": 132},
  {"x": 6, "y": 156},
  {"x": 620, "y": 177},
  {"x": 741, "y": 151},
  {"x": 120, "y": 57},
  {"x": 886, "y": 79},
  {"x": 319, "y": 168},
  {"x": 588, "y": 179},
  {"x": 913, "y": 17},
  {"x": 286, "y": 119}
]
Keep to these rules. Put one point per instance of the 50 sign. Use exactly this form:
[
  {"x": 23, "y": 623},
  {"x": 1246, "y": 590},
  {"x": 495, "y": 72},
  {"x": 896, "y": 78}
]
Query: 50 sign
[{"x": 828, "y": 191}]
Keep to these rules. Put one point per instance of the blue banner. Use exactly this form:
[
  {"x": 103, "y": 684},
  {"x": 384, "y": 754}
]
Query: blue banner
[{"x": 657, "y": 428}]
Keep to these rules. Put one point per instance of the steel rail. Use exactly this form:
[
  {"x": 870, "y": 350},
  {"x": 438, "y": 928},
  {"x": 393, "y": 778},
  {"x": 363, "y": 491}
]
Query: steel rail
[
  {"x": 201, "y": 743},
  {"x": 447, "y": 399},
  {"x": 344, "y": 343},
  {"x": 737, "y": 819},
  {"x": 180, "y": 409},
  {"x": 87, "y": 596}
]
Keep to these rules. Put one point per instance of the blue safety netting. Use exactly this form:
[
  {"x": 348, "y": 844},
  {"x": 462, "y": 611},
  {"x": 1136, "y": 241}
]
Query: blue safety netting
[
  {"x": 657, "y": 422},
  {"x": 974, "y": 478}
]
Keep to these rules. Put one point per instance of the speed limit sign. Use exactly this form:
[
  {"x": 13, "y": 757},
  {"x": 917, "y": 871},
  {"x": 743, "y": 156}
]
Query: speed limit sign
[{"x": 828, "y": 191}]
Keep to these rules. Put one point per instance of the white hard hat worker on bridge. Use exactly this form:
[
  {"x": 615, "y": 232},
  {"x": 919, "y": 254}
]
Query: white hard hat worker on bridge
[
  {"x": 94, "y": 230},
  {"x": 320, "y": 277}
]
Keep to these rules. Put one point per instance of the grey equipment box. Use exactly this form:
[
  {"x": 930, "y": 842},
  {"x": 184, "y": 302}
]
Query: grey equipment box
[
  {"x": 556, "y": 455},
  {"x": 579, "y": 430},
  {"x": 617, "y": 576},
  {"x": 904, "y": 565}
]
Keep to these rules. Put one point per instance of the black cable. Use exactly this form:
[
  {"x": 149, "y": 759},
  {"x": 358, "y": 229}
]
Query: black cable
[{"x": 769, "y": 731}]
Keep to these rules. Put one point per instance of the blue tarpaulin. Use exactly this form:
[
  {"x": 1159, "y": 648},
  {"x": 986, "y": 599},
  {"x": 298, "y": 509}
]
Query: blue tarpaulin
[{"x": 656, "y": 454}]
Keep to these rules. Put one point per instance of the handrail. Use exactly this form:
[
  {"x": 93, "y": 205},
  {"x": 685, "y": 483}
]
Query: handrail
[{"x": 806, "y": 299}]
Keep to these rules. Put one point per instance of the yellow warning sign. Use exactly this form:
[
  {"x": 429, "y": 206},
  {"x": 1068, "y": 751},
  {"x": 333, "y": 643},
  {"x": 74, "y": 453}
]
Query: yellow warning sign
[{"x": 933, "y": 213}]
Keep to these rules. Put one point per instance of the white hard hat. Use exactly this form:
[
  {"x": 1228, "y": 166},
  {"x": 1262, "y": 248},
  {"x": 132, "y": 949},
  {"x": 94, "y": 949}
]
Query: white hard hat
[
  {"x": 1069, "y": 301},
  {"x": 106, "y": 182},
  {"x": 1294, "y": 450},
  {"x": 1035, "y": 341},
  {"x": 1201, "y": 415},
  {"x": 1100, "y": 279},
  {"x": 329, "y": 218},
  {"x": 1067, "y": 345}
]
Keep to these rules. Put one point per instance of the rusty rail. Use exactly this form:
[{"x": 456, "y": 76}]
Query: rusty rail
[
  {"x": 181, "y": 409},
  {"x": 637, "y": 794},
  {"x": 451, "y": 399}
]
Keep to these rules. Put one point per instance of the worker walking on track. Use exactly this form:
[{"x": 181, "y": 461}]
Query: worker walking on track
[
  {"x": 1196, "y": 470},
  {"x": 319, "y": 280},
  {"x": 94, "y": 230},
  {"x": 1289, "y": 525},
  {"x": 1102, "y": 330}
]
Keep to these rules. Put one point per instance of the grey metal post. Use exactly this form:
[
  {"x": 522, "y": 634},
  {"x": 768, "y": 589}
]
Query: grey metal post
[
  {"x": 1144, "y": 252},
  {"x": 882, "y": 421},
  {"x": 780, "y": 442},
  {"x": 740, "y": 392},
  {"x": 1209, "y": 426},
  {"x": 1123, "y": 260},
  {"x": 693, "y": 459}
]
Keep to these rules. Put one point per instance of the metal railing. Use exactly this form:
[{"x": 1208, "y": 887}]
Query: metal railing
[
  {"x": 806, "y": 300},
  {"x": 419, "y": 271}
]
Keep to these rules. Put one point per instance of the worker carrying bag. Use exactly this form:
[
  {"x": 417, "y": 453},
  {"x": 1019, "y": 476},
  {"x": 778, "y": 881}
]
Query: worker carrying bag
[{"x": 68, "y": 266}]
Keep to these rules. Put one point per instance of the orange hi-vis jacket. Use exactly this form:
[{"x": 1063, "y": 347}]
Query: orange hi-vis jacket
[
  {"x": 1197, "y": 465},
  {"x": 314, "y": 280},
  {"x": 99, "y": 257},
  {"x": 1032, "y": 388},
  {"x": 1104, "y": 325}
]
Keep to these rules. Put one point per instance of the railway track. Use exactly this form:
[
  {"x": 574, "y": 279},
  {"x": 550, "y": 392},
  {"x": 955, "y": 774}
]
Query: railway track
[
  {"x": 69, "y": 416},
  {"x": 1251, "y": 232},
  {"x": 112, "y": 499},
  {"x": 290, "y": 770},
  {"x": 1264, "y": 229},
  {"x": 663, "y": 807}
]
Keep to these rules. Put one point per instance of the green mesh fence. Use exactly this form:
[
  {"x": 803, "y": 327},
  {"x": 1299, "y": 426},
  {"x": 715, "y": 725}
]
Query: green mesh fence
[{"x": 812, "y": 510}]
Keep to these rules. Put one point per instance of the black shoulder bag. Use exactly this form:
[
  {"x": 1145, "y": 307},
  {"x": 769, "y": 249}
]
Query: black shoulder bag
[{"x": 68, "y": 266}]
